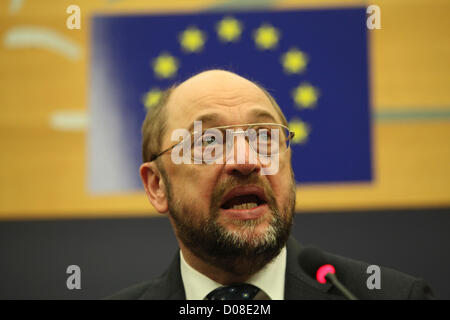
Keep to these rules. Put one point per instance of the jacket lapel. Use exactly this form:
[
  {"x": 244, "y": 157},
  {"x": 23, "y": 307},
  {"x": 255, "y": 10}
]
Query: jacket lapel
[{"x": 169, "y": 286}]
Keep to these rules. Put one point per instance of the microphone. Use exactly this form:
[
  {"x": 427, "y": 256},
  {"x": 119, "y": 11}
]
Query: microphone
[{"x": 315, "y": 265}]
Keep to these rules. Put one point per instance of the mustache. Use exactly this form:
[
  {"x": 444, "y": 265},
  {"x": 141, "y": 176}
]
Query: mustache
[{"x": 235, "y": 181}]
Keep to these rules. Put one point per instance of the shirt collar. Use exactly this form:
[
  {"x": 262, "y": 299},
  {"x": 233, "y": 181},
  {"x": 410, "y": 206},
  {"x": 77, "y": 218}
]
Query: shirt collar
[{"x": 270, "y": 279}]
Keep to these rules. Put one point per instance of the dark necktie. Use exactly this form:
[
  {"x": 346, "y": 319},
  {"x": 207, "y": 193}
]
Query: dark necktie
[{"x": 241, "y": 291}]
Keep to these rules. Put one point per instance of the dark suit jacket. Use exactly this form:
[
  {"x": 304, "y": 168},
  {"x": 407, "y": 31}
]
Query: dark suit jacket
[{"x": 298, "y": 285}]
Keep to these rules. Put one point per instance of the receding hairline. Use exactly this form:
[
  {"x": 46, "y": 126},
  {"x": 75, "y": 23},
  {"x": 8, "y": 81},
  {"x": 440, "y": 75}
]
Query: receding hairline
[
  {"x": 161, "y": 115},
  {"x": 257, "y": 85}
]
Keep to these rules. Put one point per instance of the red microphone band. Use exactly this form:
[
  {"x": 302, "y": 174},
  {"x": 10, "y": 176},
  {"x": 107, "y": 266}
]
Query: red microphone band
[{"x": 323, "y": 271}]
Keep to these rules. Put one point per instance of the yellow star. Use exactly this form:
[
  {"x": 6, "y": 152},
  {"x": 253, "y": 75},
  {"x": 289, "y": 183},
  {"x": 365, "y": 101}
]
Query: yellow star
[
  {"x": 165, "y": 66},
  {"x": 266, "y": 37},
  {"x": 229, "y": 29},
  {"x": 192, "y": 40},
  {"x": 301, "y": 130},
  {"x": 152, "y": 97},
  {"x": 305, "y": 95},
  {"x": 294, "y": 61}
]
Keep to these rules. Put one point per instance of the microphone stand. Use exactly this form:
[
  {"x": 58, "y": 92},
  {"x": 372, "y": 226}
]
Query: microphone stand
[{"x": 334, "y": 280}]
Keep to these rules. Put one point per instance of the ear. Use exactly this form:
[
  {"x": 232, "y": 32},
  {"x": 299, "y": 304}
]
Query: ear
[{"x": 154, "y": 186}]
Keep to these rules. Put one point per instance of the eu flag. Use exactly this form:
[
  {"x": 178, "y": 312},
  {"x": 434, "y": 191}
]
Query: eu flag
[{"x": 314, "y": 62}]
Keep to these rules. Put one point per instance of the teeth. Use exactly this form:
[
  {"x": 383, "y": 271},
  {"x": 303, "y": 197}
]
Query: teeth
[{"x": 248, "y": 205}]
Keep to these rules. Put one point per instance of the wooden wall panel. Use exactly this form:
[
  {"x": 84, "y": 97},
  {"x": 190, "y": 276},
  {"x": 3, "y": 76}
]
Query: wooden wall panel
[{"x": 43, "y": 167}]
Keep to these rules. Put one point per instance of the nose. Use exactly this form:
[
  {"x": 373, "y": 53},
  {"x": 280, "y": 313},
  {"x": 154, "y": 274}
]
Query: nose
[{"x": 241, "y": 159}]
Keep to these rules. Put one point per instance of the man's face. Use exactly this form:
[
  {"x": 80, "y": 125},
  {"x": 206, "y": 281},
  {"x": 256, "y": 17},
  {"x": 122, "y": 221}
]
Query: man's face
[{"x": 208, "y": 203}]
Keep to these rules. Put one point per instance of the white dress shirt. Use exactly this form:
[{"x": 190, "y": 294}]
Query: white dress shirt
[{"x": 270, "y": 279}]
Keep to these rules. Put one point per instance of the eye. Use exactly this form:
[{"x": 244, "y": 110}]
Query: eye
[
  {"x": 264, "y": 135},
  {"x": 208, "y": 140}
]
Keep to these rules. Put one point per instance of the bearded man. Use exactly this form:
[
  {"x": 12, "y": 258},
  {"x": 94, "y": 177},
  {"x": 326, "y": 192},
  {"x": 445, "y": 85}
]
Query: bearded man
[{"x": 231, "y": 216}]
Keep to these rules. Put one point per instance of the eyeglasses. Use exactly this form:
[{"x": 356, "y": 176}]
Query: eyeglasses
[{"x": 212, "y": 144}]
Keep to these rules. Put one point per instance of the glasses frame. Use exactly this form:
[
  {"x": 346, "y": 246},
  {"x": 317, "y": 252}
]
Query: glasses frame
[{"x": 247, "y": 125}]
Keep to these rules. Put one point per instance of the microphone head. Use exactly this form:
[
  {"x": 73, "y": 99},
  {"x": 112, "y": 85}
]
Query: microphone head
[
  {"x": 323, "y": 271},
  {"x": 313, "y": 262}
]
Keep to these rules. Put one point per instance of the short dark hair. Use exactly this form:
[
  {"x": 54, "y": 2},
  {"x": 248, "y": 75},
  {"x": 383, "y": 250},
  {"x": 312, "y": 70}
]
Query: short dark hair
[
  {"x": 274, "y": 103},
  {"x": 154, "y": 126}
]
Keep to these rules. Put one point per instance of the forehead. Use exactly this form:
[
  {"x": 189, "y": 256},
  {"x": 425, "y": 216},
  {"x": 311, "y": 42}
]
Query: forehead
[{"x": 219, "y": 99}]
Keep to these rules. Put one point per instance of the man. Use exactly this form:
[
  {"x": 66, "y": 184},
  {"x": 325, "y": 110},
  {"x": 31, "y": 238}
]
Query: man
[{"x": 232, "y": 218}]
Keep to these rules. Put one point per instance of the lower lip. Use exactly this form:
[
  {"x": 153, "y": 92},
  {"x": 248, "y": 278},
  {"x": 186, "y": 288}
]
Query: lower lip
[{"x": 246, "y": 214}]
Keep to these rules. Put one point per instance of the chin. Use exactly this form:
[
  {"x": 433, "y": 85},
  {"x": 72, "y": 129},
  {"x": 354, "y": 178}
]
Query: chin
[
  {"x": 254, "y": 225},
  {"x": 248, "y": 231}
]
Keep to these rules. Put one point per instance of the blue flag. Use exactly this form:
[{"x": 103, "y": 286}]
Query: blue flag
[{"x": 314, "y": 63}]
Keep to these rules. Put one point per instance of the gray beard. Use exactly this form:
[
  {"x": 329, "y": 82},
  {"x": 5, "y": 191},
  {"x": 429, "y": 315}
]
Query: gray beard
[{"x": 235, "y": 252}]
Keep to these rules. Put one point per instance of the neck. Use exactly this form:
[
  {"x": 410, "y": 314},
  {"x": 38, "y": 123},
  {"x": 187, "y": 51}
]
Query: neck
[{"x": 212, "y": 272}]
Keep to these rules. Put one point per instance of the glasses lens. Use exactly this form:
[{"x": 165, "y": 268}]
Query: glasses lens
[
  {"x": 272, "y": 139},
  {"x": 207, "y": 146},
  {"x": 213, "y": 144}
]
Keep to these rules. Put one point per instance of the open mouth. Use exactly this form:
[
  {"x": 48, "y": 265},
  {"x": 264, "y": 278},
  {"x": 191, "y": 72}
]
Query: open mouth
[
  {"x": 244, "y": 198},
  {"x": 243, "y": 202}
]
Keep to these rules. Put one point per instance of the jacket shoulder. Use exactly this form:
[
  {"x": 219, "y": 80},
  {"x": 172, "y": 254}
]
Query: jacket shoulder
[
  {"x": 353, "y": 274},
  {"x": 392, "y": 284},
  {"x": 168, "y": 286},
  {"x": 134, "y": 292}
]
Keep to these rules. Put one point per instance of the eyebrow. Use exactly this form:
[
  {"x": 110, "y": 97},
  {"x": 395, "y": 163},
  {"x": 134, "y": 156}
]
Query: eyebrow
[
  {"x": 258, "y": 114},
  {"x": 212, "y": 118},
  {"x": 206, "y": 118}
]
